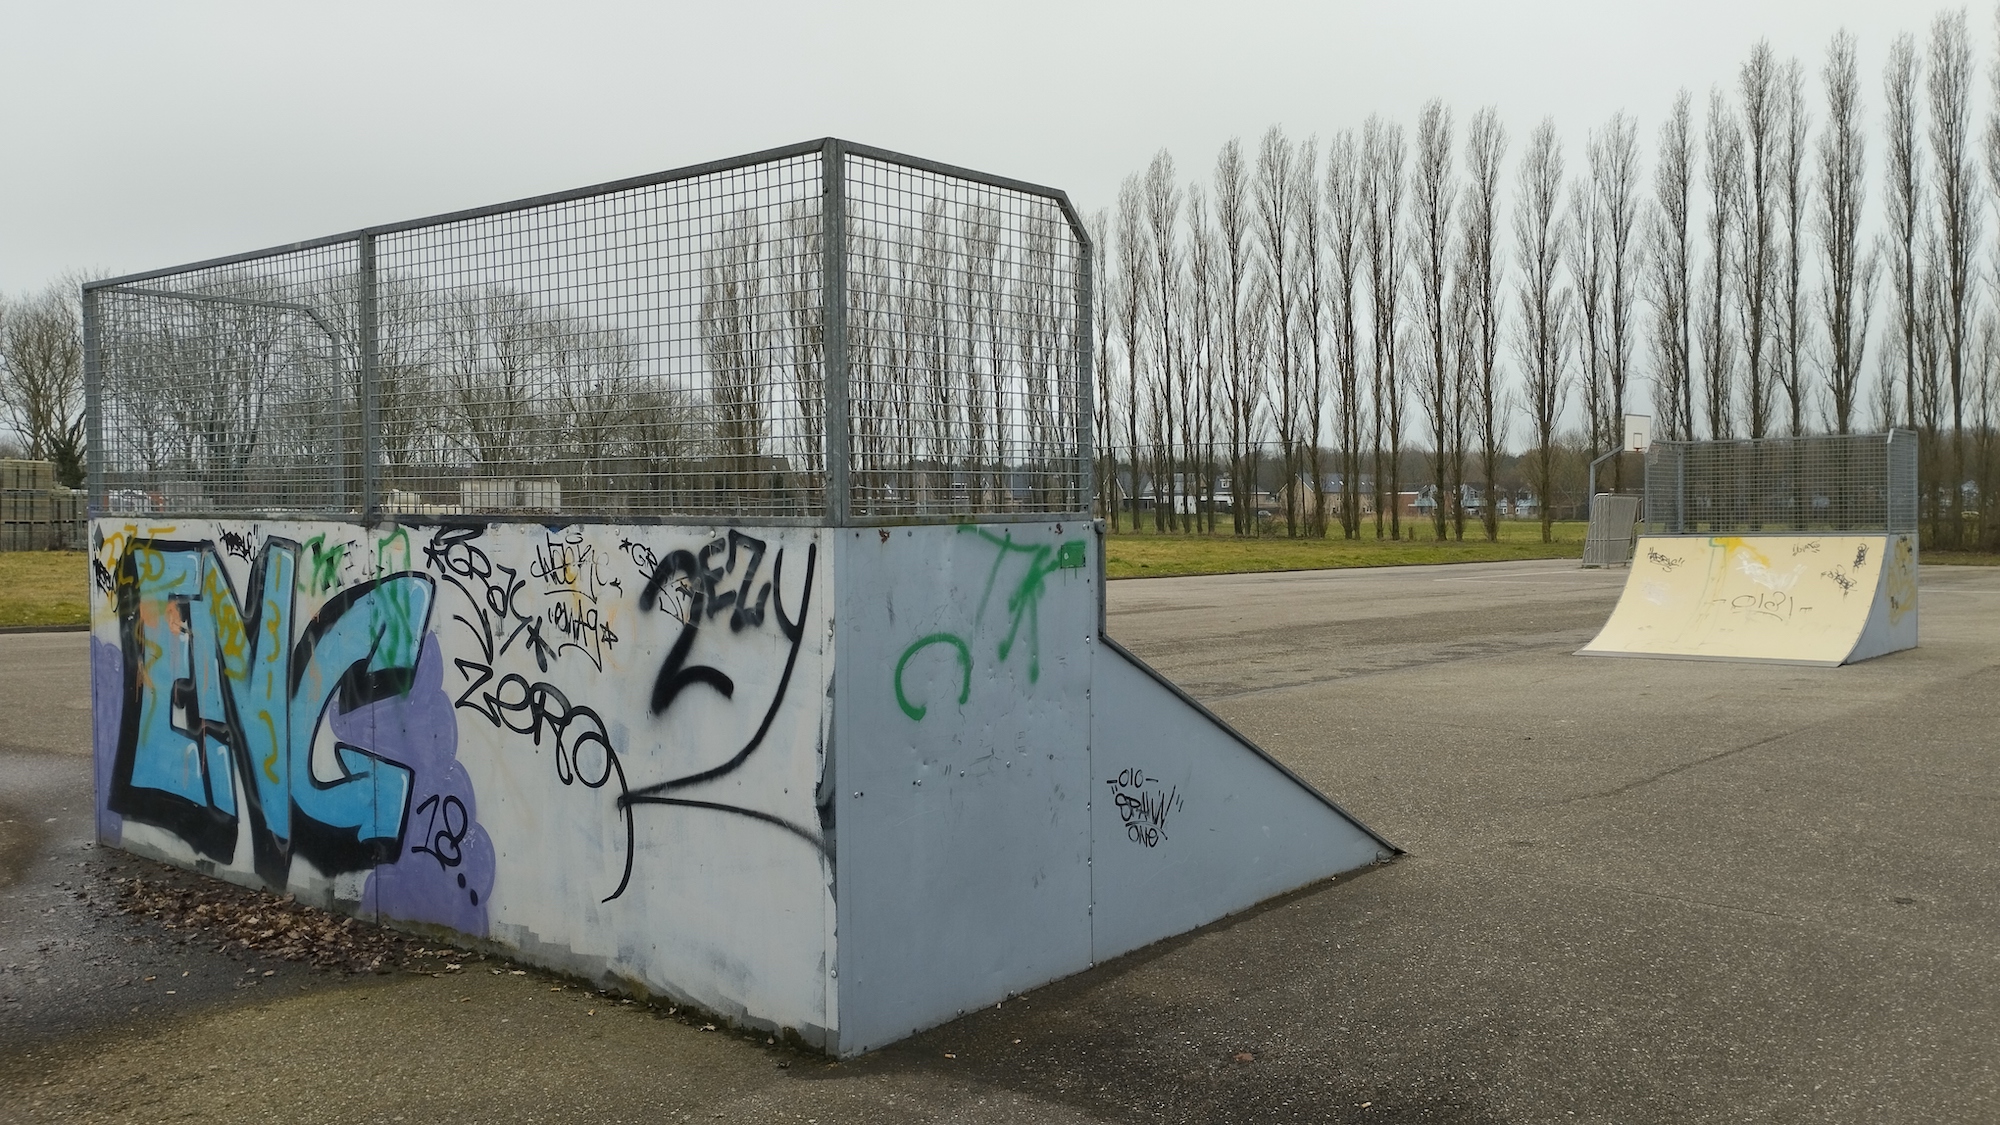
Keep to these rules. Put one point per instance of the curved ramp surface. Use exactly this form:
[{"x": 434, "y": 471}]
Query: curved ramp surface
[{"x": 1821, "y": 600}]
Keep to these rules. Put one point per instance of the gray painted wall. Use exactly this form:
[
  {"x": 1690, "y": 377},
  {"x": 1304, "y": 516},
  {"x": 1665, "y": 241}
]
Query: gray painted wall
[
  {"x": 899, "y": 774},
  {"x": 961, "y": 747},
  {"x": 1190, "y": 821}
]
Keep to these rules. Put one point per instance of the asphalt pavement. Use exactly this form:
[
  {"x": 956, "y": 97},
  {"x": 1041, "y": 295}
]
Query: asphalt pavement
[{"x": 1635, "y": 891}]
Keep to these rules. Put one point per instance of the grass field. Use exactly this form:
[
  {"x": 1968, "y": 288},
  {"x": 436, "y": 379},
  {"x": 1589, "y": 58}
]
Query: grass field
[
  {"x": 44, "y": 588},
  {"x": 1146, "y": 554},
  {"x": 52, "y": 588}
]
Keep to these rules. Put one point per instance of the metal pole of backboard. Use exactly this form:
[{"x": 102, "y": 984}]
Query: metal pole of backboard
[
  {"x": 837, "y": 503},
  {"x": 371, "y": 436},
  {"x": 95, "y": 503},
  {"x": 1086, "y": 447}
]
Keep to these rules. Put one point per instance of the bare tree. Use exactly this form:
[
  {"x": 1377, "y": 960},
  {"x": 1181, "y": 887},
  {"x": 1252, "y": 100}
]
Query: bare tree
[
  {"x": 1463, "y": 314},
  {"x": 1541, "y": 234},
  {"x": 1757, "y": 86},
  {"x": 1345, "y": 210},
  {"x": 1433, "y": 203},
  {"x": 587, "y": 371},
  {"x": 1103, "y": 421},
  {"x": 1277, "y": 200},
  {"x": 733, "y": 335},
  {"x": 1383, "y": 155},
  {"x": 490, "y": 337},
  {"x": 1204, "y": 343},
  {"x": 1724, "y": 181},
  {"x": 1163, "y": 209},
  {"x": 1670, "y": 274},
  {"x": 1950, "y": 89},
  {"x": 1905, "y": 205},
  {"x": 1587, "y": 253},
  {"x": 1310, "y": 237},
  {"x": 41, "y": 378},
  {"x": 982, "y": 347},
  {"x": 1232, "y": 220},
  {"x": 1614, "y": 178},
  {"x": 1794, "y": 191},
  {"x": 1249, "y": 392},
  {"x": 1128, "y": 306},
  {"x": 802, "y": 341},
  {"x": 1485, "y": 147},
  {"x": 1847, "y": 291}
]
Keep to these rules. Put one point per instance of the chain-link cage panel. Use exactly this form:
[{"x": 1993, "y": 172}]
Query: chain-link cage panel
[
  {"x": 1829, "y": 482},
  {"x": 652, "y": 351},
  {"x": 966, "y": 345},
  {"x": 655, "y": 348},
  {"x": 231, "y": 388}
]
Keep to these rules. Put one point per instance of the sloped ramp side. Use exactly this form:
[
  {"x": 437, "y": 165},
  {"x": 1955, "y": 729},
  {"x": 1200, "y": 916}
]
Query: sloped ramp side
[
  {"x": 1814, "y": 600},
  {"x": 1892, "y": 619},
  {"x": 1190, "y": 820}
]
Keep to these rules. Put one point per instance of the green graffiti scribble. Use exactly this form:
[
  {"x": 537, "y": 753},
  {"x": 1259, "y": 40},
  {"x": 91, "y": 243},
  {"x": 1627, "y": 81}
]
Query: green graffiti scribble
[
  {"x": 389, "y": 610},
  {"x": 918, "y": 710},
  {"x": 323, "y": 571},
  {"x": 1024, "y": 603},
  {"x": 1023, "y": 608},
  {"x": 398, "y": 538}
]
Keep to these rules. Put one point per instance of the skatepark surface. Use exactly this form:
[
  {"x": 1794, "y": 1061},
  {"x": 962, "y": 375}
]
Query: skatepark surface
[{"x": 1635, "y": 891}]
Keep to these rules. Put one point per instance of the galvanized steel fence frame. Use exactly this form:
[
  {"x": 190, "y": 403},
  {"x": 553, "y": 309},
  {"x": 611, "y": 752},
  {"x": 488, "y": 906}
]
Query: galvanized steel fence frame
[
  {"x": 824, "y": 333},
  {"x": 1812, "y": 483}
]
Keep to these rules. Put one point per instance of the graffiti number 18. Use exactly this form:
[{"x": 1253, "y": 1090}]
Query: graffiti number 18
[{"x": 442, "y": 844}]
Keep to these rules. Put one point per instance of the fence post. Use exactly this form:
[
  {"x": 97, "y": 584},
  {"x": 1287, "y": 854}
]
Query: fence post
[
  {"x": 837, "y": 498},
  {"x": 1680, "y": 490},
  {"x": 371, "y": 437},
  {"x": 1086, "y": 396},
  {"x": 95, "y": 502}
]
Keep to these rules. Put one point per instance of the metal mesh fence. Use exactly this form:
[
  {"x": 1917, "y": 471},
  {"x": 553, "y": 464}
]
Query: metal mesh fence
[
  {"x": 665, "y": 347},
  {"x": 228, "y": 387},
  {"x": 965, "y": 341},
  {"x": 1830, "y": 482}
]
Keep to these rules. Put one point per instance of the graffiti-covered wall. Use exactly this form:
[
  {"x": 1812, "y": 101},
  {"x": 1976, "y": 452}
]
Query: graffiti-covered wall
[
  {"x": 600, "y": 746},
  {"x": 629, "y": 752}
]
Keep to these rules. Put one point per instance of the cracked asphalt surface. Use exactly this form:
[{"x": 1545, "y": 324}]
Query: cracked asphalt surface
[{"x": 1635, "y": 891}]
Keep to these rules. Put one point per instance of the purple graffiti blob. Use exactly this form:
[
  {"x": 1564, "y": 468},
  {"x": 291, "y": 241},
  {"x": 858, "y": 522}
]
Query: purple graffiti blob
[
  {"x": 107, "y": 707},
  {"x": 446, "y": 869}
]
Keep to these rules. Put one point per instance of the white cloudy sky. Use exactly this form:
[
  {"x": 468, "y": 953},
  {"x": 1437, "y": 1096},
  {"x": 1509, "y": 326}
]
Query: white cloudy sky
[{"x": 135, "y": 134}]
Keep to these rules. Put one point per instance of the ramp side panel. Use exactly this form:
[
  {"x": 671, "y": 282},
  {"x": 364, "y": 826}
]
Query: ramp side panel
[
  {"x": 1798, "y": 599},
  {"x": 961, "y": 758},
  {"x": 1892, "y": 620},
  {"x": 1189, "y": 822}
]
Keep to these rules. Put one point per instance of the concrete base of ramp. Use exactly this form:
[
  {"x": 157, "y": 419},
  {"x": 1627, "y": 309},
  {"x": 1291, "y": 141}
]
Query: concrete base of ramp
[{"x": 1821, "y": 600}]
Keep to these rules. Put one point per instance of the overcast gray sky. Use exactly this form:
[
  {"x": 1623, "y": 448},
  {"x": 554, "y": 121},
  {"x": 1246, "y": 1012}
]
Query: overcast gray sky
[{"x": 135, "y": 135}]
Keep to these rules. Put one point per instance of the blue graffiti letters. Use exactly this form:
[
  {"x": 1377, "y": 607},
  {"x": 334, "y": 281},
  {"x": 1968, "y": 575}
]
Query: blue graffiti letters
[{"x": 228, "y": 699}]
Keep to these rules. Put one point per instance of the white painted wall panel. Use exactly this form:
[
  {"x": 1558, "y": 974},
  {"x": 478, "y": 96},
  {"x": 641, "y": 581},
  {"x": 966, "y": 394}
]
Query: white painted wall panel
[{"x": 596, "y": 745}]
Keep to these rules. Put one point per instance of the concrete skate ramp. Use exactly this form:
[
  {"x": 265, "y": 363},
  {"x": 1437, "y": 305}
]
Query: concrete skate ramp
[{"x": 1822, "y": 600}]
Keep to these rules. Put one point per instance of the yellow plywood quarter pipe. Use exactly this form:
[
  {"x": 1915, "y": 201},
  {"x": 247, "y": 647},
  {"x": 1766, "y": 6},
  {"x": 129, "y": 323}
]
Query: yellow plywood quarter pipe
[{"x": 1822, "y": 600}]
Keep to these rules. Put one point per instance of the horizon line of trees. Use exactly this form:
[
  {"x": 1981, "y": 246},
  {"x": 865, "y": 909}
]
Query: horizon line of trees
[{"x": 1387, "y": 290}]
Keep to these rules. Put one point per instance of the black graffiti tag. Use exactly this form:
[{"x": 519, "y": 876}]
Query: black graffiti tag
[{"x": 676, "y": 675}]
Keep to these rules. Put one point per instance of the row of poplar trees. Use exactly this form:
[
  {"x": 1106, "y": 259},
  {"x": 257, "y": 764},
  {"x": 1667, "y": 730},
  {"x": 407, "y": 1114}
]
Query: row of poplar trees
[{"x": 1790, "y": 260}]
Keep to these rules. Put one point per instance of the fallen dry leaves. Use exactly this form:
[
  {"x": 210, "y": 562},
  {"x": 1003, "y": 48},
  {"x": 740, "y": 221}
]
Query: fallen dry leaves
[{"x": 241, "y": 920}]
